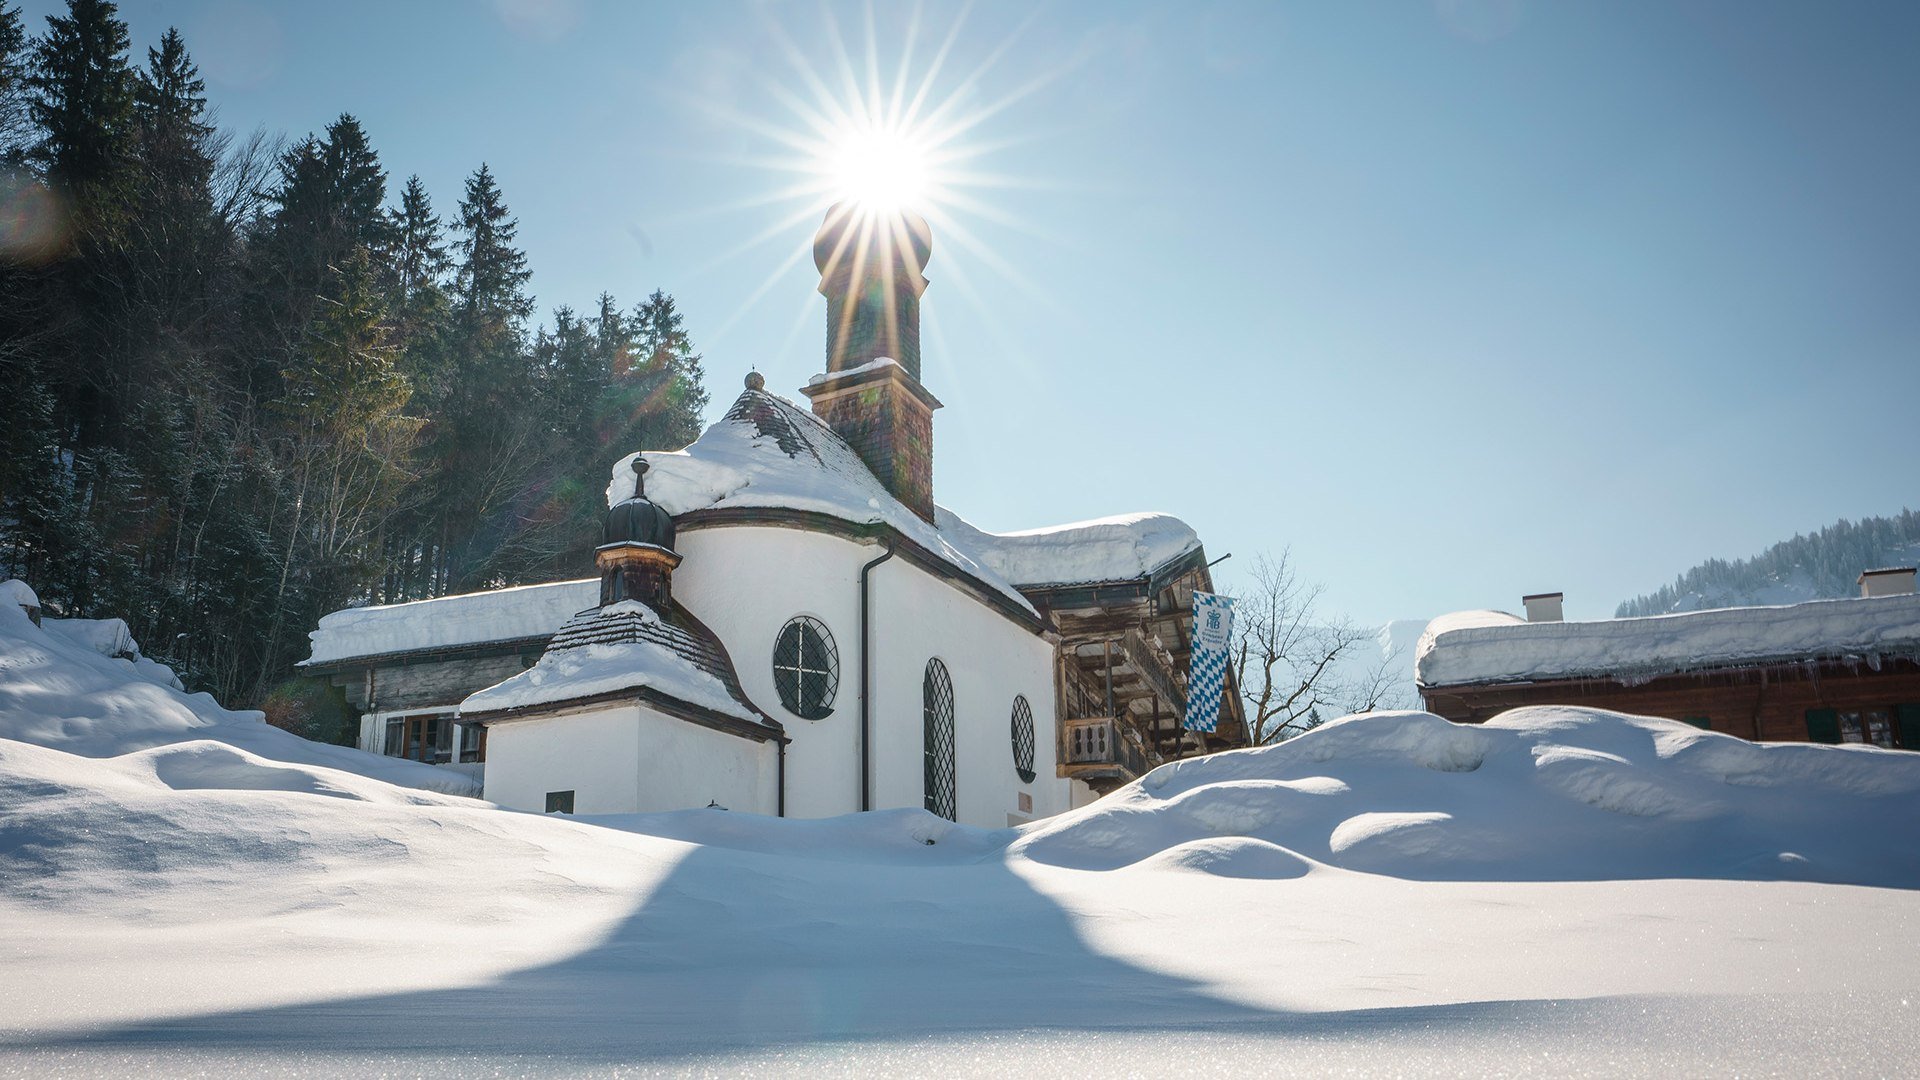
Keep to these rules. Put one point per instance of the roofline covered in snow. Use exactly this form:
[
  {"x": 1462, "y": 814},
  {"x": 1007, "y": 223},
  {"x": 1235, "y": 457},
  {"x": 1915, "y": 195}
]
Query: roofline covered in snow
[
  {"x": 431, "y": 654},
  {"x": 766, "y": 729},
  {"x": 1079, "y": 594},
  {"x": 1897, "y": 616},
  {"x": 714, "y": 517}
]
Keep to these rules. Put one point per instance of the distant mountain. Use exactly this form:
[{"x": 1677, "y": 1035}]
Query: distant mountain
[{"x": 1818, "y": 566}]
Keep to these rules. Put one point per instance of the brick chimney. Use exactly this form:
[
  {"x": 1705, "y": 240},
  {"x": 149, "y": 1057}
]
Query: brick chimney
[{"x": 871, "y": 267}]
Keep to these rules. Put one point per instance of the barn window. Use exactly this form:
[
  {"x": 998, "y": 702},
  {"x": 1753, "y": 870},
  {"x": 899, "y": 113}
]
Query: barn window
[
  {"x": 936, "y": 706},
  {"x": 1023, "y": 738},
  {"x": 559, "y": 802},
  {"x": 806, "y": 668}
]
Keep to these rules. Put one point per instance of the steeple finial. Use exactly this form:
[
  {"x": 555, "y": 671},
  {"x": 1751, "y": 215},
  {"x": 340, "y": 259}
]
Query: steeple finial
[{"x": 640, "y": 468}]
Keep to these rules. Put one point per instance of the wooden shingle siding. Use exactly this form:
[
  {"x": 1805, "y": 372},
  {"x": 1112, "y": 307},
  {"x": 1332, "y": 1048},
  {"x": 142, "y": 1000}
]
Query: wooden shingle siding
[{"x": 1770, "y": 703}]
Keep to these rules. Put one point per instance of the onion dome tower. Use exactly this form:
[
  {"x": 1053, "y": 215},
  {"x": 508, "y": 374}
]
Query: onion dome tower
[
  {"x": 636, "y": 556},
  {"x": 872, "y": 267}
]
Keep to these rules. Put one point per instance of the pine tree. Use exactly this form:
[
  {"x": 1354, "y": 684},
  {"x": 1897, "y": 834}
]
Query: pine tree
[
  {"x": 219, "y": 377},
  {"x": 83, "y": 104},
  {"x": 416, "y": 263},
  {"x": 669, "y": 371},
  {"x": 490, "y": 297},
  {"x": 16, "y": 117}
]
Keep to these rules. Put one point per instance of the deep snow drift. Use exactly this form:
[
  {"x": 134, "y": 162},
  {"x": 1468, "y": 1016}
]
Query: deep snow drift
[
  {"x": 1562, "y": 890},
  {"x": 1540, "y": 794},
  {"x": 60, "y": 689}
]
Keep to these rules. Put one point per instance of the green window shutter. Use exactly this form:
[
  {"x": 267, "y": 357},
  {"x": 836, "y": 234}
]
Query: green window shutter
[
  {"x": 1700, "y": 722},
  {"x": 1823, "y": 725},
  {"x": 1908, "y": 733}
]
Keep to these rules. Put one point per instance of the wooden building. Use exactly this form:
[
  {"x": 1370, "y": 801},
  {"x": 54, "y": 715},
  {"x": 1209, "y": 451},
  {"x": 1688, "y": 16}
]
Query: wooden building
[
  {"x": 1832, "y": 671},
  {"x": 406, "y": 667}
]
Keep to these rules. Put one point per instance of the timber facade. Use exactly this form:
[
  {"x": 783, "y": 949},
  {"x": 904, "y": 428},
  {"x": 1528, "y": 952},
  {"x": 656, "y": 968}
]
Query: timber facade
[
  {"x": 1121, "y": 674},
  {"x": 1828, "y": 701}
]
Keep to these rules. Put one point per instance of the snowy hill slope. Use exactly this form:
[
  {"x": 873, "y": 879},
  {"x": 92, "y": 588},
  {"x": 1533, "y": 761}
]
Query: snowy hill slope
[
  {"x": 57, "y": 690},
  {"x": 1387, "y": 892},
  {"x": 1819, "y": 566}
]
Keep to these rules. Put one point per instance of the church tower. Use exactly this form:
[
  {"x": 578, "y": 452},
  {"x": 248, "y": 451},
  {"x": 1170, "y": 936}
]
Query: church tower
[{"x": 871, "y": 272}]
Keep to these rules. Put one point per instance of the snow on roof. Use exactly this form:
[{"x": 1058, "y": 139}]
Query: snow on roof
[
  {"x": 769, "y": 453},
  {"x": 18, "y": 593},
  {"x": 1124, "y": 547},
  {"x": 871, "y": 365},
  {"x": 525, "y": 611},
  {"x": 1492, "y": 646},
  {"x": 623, "y": 646},
  {"x": 108, "y": 637}
]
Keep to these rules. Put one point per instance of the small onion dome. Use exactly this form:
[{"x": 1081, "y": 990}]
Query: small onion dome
[
  {"x": 887, "y": 234},
  {"x": 638, "y": 520}
]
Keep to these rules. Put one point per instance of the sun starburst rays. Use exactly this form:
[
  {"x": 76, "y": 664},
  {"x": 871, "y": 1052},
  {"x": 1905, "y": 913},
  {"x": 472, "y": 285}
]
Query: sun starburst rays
[{"x": 892, "y": 134}]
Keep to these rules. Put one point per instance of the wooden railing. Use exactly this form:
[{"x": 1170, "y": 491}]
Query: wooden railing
[{"x": 1100, "y": 741}]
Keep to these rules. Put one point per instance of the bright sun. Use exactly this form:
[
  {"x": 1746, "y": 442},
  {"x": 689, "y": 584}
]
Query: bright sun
[
  {"x": 888, "y": 144},
  {"x": 879, "y": 170}
]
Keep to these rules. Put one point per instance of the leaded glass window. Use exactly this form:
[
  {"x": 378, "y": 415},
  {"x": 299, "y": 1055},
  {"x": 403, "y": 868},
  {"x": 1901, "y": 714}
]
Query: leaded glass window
[
  {"x": 806, "y": 668},
  {"x": 1023, "y": 738},
  {"x": 936, "y": 700}
]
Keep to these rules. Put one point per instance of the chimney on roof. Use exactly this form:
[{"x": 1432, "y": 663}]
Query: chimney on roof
[
  {"x": 870, "y": 264},
  {"x": 1543, "y": 607},
  {"x": 1892, "y": 581}
]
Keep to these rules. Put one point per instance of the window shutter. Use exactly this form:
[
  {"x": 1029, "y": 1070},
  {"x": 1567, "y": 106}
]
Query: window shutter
[
  {"x": 1908, "y": 733},
  {"x": 1823, "y": 726}
]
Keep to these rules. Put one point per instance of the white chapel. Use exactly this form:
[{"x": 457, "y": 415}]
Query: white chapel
[{"x": 784, "y": 622}]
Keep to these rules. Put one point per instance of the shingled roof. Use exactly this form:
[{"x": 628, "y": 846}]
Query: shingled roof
[{"x": 627, "y": 649}]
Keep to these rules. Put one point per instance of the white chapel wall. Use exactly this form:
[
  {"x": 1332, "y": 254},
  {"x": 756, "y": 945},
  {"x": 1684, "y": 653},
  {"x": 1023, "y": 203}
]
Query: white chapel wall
[
  {"x": 918, "y": 616},
  {"x": 628, "y": 759},
  {"x": 745, "y": 582}
]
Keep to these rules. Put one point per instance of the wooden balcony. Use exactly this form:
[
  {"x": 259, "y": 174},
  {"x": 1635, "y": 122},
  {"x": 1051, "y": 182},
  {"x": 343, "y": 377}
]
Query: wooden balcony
[{"x": 1100, "y": 751}]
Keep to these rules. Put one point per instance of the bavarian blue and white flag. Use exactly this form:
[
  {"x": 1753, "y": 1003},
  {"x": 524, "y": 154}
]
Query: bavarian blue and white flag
[{"x": 1212, "y": 645}]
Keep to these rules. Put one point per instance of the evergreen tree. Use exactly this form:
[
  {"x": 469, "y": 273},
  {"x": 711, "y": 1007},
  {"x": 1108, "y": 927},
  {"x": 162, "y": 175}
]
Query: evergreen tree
[
  {"x": 83, "y": 104},
  {"x": 16, "y": 117},
  {"x": 217, "y": 399},
  {"x": 669, "y": 374},
  {"x": 490, "y": 298},
  {"x": 416, "y": 263}
]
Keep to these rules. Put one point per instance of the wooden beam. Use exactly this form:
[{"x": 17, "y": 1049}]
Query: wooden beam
[{"x": 1159, "y": 677}]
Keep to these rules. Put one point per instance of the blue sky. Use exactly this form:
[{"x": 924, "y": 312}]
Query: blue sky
[{"x": 1458, "y": 301}]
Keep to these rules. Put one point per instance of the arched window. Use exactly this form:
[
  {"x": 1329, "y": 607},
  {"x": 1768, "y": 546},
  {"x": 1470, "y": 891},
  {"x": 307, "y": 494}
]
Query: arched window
[
  {"x": 936, "y": 703},
  {"x": 806, "y": 668},
  {"x": 1023, "y": 738}
]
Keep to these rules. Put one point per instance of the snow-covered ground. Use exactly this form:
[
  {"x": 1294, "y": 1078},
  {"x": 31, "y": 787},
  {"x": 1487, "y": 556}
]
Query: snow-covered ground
[{"x": 1559, "y": 892}]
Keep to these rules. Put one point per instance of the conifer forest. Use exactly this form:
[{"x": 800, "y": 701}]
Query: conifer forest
[{"x": 251, "y": 378}]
